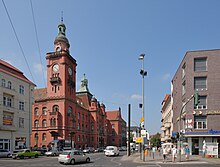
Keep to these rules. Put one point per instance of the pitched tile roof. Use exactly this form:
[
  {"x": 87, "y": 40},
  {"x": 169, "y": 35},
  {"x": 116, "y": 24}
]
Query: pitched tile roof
[
  {"x": 40, "y": 94},
  {"x": 11, "y": 70}
]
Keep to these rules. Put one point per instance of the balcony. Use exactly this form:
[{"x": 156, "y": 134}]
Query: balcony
[
  {"x": 55, "y": 79},
  {"x": 167, "y": 125}
]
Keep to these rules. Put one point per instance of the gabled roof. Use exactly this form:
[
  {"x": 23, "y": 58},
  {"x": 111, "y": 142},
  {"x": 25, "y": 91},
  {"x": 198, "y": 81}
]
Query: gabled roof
[
  {"x": 113, "y": 115},
  {"x": 11, "y": 70}
]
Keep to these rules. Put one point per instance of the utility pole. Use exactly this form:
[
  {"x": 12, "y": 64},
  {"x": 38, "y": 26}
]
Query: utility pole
[{"x": 129, "y": 130}]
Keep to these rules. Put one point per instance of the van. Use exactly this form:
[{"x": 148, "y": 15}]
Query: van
[{"x": 111, "y": 151}]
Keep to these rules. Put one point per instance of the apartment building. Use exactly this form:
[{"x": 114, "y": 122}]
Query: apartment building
[
  {"x": 16, "y": 93},
  {"x": 199, "y": 72},
  {"x": 166, "y": 120}
]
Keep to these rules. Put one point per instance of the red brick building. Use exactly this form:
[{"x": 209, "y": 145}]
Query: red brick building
[{"x": 61, "y": 113}]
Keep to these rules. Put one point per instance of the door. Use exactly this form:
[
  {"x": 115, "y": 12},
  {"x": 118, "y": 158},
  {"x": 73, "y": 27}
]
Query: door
[{"x": 195, "y": 146}]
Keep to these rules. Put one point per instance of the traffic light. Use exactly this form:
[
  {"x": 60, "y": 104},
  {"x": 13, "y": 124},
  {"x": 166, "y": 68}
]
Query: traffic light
[
  {"x": 177, "y": 135},
  {"x": 196, "y": 99}
]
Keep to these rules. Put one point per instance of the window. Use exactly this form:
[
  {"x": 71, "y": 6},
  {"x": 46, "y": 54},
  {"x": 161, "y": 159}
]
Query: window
[
  {"x": 44, "y": 111},
  {"x": 78, "y": 138},
  {"x": 36, "y": 123},
  {"x": 78, "y": 115},
  {"x": 202, "y": 104},
  {"x": 78, "y": 128},
  {"x": 3, "y": 82},
  {"x": 200, "y": 122},
  {"x": 200, "y": 64},
  {"x": 53, "y": 122},
  {"x": 21, "y": 122},
  {"x": 9, "y": 84},
  {"x": 7, "y": 101},
  {"x": 183, "y": 70},
  {"x": 184, "y": 88},
  {"x": 36, "y": 137},
  {"x": 200, "y": 83},
  {"x": 36, "y": 111},
  {"x": 21, "y": 105},
  {"x": 44, "y": 123},
  {"x": 21, "y": 89},
  {"x": 44, "y": 137},
  {"x": 113, "y": 126},
  {"x": 55, "y": 108},
  {"x": 69, "y": 110}
]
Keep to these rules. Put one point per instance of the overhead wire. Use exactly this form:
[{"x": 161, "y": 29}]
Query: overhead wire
[
  {"x": 38, "y": 44},
  {"x": 22, "y": 51}
]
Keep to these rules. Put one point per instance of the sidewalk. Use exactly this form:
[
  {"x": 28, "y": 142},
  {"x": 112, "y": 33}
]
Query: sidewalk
[{"x": 194, "y": 159}]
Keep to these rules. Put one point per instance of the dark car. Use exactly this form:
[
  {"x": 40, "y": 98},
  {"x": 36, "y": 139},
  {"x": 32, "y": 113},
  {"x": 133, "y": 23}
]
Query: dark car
[{"x": 89, "y": 150}]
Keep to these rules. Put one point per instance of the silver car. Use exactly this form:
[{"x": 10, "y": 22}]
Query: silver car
[
  {"x": 72, "y": 157},
  {"x": 5, "y": 153}
]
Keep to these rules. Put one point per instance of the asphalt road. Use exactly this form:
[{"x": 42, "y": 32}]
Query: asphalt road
[{"x": 97, "y": 160}]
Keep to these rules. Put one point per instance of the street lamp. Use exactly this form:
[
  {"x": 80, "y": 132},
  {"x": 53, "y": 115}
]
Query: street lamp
[{"x": 143, "y": 74}]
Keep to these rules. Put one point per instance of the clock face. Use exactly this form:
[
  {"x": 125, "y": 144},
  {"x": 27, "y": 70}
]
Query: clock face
[
  {"x": 56, "y": 68},
  {"x": 70, "y": 71}
]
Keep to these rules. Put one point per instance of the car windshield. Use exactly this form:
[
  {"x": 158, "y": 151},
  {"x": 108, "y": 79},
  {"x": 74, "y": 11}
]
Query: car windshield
[
  {"x": 65, "y": 153},
  {"x": 110, "y": 148}
]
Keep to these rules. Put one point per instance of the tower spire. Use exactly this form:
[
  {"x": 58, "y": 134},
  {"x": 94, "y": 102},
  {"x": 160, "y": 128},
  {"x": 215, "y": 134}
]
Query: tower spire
[{"x": 61, "y": 16}]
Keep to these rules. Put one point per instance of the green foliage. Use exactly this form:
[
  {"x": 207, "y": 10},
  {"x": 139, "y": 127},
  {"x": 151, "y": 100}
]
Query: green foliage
[{"x": 155, "y": 140}]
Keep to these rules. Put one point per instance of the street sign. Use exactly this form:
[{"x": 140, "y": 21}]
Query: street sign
[
  {"x": 139, "y": 140},
  {"x": 143, "y": 133}
]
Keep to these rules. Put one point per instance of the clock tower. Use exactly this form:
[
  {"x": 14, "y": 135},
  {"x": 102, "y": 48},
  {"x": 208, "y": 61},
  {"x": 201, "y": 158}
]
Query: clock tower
[{"x": 61, "y": 68}]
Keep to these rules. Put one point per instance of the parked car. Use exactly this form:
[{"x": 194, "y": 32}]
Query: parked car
[
  {"x": 101, "y": 149},
  {"x": 53, "y": 153},
  {"x": 111, "y": 151},
  {"x": 89, "y": 150},
  {"x": 5, "y": 153},
  {"x": 41, "y": 150},
  {"x": 72, "y": 157},
  {"x": 25, "y": 153}
]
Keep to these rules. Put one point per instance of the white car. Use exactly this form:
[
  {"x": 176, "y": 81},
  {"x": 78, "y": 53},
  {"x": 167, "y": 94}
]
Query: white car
[
  {"x": 111, "y": 151},
  {"x": 72, "y": 157}
]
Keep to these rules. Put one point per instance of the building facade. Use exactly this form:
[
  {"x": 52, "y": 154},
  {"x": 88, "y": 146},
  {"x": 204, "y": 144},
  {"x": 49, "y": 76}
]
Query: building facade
[
  {"x": 166, "y": 120},
  {"x": 198, "y": 72},
  {"x": 62, "y": 113},
  {"x": 16, "y": 93}
]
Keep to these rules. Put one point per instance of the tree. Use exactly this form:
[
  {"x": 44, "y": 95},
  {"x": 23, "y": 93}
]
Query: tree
[{"x": 155, "y": 140}]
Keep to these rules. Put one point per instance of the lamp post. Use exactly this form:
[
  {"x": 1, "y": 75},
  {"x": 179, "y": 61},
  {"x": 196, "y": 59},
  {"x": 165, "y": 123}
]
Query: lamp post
[{"x": 143, "y": 74}]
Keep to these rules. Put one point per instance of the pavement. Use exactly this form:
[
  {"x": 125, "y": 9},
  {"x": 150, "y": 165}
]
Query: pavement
[{"x": 158, "y": 159}]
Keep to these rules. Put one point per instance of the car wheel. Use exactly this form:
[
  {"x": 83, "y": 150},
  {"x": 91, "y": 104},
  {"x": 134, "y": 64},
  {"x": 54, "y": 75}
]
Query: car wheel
[
  {"x": 87, "y": 159},
  {"x": 72, "y": 162},
  {"x": 21, "y": 157},
  {"x": 36, "y": 156},
  {"x": 8, "y": 155}
]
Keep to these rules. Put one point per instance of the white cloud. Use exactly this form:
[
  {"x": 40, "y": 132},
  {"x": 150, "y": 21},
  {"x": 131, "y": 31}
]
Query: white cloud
[
  {"x": 166, "y": 76},
  {"x": 136, "y": 97}
]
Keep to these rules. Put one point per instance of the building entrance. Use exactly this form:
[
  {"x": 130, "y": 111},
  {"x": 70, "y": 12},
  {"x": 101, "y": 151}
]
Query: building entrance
[{"x": 195, "y": 146}]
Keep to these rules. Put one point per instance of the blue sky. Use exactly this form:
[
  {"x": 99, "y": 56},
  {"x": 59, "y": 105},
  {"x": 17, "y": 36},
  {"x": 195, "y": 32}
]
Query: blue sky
[{"x": 106, "y": 38}]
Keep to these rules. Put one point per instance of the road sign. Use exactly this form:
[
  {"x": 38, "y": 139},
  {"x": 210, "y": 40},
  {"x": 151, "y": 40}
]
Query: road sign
[{"x": 139, "y": 140}]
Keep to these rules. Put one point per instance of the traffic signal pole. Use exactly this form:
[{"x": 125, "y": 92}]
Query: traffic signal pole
[{"x": 179, "y": 128}]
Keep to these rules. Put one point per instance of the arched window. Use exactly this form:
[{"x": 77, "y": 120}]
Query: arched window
[
  {"x": 44, "y": 111},
  {"x": 36, "y": 111},
  {"x": 36, "y": 136},
  {"x": 3, "y": 82},
  {"x": 36, "y": 123},
  {"x": 69, "y": 110},
  {"x": 44, "y": 123},
  {"x": 9, "y": 84},
  {"x": 44, "y": 137},
  {"x": 53, "y": 122},
  {"x": 55, "y": 108}
]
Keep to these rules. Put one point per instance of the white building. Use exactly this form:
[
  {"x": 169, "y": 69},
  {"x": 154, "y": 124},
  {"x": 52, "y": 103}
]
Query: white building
[
  {"x": 16, "y": 93},
  {"x": 166, "y": 120}
]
